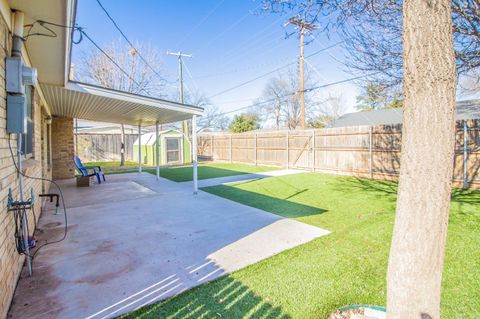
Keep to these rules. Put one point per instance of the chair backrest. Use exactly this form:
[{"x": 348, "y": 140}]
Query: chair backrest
[{"x": 79, "y": 165}]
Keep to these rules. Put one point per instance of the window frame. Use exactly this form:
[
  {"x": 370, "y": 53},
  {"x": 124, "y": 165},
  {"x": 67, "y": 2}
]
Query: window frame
[
  {"x": 179, "y": 149},
  {"x": 27, "y": 148}
]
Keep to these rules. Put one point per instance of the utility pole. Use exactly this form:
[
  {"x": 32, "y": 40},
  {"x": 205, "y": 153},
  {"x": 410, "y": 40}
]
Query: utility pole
[
  {"x": 180, "y": 57},
  {"x": 303, "y": 27}
]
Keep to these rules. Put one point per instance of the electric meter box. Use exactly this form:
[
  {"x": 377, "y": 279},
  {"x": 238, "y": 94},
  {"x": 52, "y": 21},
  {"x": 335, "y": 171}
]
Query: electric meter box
[
  {"x": 16, "y": 114},
  {"x": 18, "y": 75}
]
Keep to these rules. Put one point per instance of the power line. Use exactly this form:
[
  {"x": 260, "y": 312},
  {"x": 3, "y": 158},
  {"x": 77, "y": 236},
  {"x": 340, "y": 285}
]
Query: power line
[
  {"x": 250, "y": 42},
  {"x": 315, "y": 70},
  {"x": 339, "y": 82},
  {"x": 323, "y": 46},
  {"x": 190, "y": 75},
  {"x": 84, "y": 34},
  {"x": 200, "y": 23},
  {"x": 129, "y": 42},
  {"x": 233, "y": 25},
  {"x": 294, "y": 93},
  {"x": 270, "y": 72}
]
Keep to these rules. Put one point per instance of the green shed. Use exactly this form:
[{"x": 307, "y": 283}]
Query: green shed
[{"x": 174, "y": 148}]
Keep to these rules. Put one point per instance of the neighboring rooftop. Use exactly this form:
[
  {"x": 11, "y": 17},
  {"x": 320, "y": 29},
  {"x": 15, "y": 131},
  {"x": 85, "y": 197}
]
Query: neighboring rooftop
[{"x": 466, "y": 110}]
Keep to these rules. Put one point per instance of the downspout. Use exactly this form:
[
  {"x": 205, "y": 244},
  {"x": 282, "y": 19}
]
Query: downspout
[{"x": 17, "y": 43}]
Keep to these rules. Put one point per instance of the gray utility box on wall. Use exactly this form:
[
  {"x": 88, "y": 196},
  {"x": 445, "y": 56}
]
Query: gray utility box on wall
[
  {"x": 18, "y": 75},
  {"x": 16, "y": 114}
]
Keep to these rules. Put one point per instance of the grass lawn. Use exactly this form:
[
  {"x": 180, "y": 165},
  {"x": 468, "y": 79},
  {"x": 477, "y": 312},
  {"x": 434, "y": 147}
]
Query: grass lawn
[
  {"x": 184, "y": 173},
  {"x": 114, "y": 167},
  {"x": 348, "y": 266}
]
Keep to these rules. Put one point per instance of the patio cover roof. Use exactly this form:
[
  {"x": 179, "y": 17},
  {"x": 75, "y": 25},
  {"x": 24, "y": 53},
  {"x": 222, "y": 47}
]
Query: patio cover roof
[{"x": 89, "y": 102}]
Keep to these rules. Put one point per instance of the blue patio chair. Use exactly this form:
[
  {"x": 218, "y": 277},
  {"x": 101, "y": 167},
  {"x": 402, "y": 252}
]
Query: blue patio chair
[{"x": 84, "y": 170}]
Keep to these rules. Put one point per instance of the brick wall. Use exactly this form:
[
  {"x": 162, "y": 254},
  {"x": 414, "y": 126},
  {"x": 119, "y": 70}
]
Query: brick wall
[
  {"x": 10, "y": 261},
  {"x": 63, "y": 148}
]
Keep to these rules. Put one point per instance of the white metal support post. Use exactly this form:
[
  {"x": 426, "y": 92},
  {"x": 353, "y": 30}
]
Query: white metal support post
[
  {"x": 139, "y": 148},
  {"x": 24, "y": 212},
  {"x": 157, "y": 150},
  {"x": 194, "y": 154}
]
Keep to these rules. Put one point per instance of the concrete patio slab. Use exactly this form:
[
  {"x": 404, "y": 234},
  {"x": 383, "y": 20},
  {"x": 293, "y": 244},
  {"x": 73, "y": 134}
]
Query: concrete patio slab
[{"x": 134, "y": 240}]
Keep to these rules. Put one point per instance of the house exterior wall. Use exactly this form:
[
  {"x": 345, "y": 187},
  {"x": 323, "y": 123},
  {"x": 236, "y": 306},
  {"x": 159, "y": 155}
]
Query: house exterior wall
[
  {"x": 63, "y": 148},
  {"x": 36, "y": 165}
]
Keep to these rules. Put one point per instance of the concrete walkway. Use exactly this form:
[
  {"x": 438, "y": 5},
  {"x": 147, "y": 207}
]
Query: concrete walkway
[
  {"x": 244, "y": 177},
  {"x": 134, "y": 241}
]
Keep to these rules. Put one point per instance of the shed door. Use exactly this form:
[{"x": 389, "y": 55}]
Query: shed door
[{"x": 173, "y": 149}]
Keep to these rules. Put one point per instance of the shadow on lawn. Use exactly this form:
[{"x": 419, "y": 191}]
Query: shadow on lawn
[
  {"x": 372, "y": 187},
  {"x": 223, "y": 298},
  {"x": 281, "y": 206},
  {"x": 389, "y": 189}
]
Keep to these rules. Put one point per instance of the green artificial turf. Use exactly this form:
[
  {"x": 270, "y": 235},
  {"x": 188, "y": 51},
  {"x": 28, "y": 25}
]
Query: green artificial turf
[
  {"x": 185, "y": 173},
  {"x": 345, "y": 267},
  {"x": 114, "y": 167}
]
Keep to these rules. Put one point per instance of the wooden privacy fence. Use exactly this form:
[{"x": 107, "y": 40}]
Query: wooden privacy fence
[
  {"x": 103, "y": 147},
  {"x": 360, "y": 151}
]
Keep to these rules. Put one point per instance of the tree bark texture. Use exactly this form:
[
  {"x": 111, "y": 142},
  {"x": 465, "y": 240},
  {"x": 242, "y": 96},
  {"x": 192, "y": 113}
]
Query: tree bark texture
[{"x": 419, "y": 236}]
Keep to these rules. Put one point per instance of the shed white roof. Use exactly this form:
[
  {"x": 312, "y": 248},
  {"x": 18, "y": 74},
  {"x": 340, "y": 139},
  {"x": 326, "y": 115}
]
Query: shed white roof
[
  {"x": 149, "y": 138},
  {"x": 89, "y": 102}
]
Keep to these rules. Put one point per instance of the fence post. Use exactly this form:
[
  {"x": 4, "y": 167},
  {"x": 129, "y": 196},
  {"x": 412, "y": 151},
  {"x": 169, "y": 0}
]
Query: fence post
[
  {"x": 230, "y": 152},
  {"x": 465, "y": 155},
  {"x": 370, "y": 151},
  {"x": 211, "y": 146},
  {"x": 288, "y": 149},
  {"x": 255, "y": 148},
  {"x": 313, "y": 149}
]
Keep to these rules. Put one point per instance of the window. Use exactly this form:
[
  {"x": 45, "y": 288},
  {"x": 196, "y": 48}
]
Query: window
[
  {"x": 172, "y": 149},
  {"x": 27, "y": 139}
]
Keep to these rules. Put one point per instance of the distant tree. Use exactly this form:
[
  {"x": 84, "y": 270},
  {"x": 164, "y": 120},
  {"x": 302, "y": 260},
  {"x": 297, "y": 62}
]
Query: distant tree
[
  {"x": 328, "y": 111},
  {"x": 213, "y": 118},
  {"x": 373, "y": 98},
  {"x": 372, "y": 31},
  {"x": 244, "y": 122},
  {"x": 281, "y": 103},
  {"x": 97, "y": 69},
  {"x": 377, "y": 96}
]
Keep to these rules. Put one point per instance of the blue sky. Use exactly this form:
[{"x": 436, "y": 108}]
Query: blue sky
[{"x": 230, "y": 41}]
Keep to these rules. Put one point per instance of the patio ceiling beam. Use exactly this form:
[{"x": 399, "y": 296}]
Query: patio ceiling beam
[{"x": 90, "y": 102}]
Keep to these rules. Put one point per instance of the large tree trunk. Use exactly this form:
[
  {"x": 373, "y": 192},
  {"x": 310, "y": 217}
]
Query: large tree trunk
[{"x": 420, "y": 231}]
